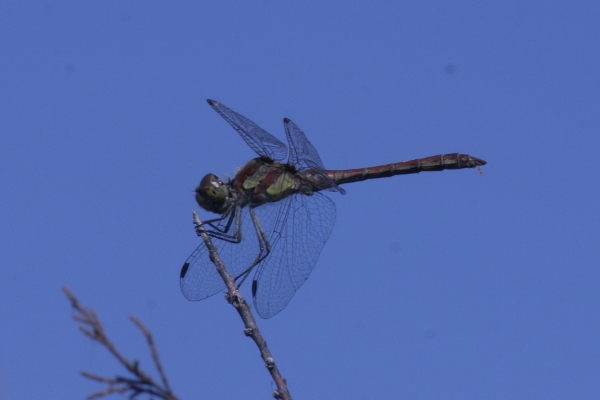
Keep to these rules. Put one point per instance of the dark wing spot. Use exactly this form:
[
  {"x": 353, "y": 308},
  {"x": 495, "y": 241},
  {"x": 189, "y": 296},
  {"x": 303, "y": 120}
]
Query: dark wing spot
[
  {"x": 254, "y": 287},
  {"x": 184, "y": 270}
]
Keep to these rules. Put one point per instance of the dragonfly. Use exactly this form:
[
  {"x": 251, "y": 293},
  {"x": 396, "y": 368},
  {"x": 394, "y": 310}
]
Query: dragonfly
[{"x": 273, "y": 217}]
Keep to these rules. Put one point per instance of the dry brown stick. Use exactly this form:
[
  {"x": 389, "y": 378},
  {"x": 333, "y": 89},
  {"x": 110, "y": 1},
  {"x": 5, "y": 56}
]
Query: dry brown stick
[
  {"x": 152, "y": 346},
  {"x": 142, "y": 383},
  {"x": 235, "y": 299}
]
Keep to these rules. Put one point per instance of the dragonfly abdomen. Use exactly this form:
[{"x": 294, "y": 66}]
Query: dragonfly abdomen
[{"x": 433, "y": 163}]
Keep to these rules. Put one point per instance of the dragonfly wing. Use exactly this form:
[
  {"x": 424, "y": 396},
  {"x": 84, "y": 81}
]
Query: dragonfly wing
[
  {"x": 303, "y": 225},
  {"x": 199, "y": 278},
  {"x": 261, "y": 141},
  {"x": 302, "y": 153},
  {"x": 305, "y": 158}
]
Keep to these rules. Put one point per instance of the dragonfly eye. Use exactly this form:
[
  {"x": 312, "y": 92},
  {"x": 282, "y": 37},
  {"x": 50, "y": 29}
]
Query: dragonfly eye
[{"x": 212, "y": 194}]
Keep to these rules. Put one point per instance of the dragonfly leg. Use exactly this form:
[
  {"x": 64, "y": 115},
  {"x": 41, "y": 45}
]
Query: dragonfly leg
[
  {"x": 222, "y": 233},
  {"x": 264, "y": 247},
  {"x": 229, "y": 213}
]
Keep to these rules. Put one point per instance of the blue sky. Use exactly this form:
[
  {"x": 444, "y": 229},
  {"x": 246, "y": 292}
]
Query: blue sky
[{"x": 445, "y": 285}]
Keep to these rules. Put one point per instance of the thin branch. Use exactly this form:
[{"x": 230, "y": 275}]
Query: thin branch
[
  {"x": 142, "y": 383},
  {"x": 251, "y": 329},
  {"x": 152, "y": 346}
]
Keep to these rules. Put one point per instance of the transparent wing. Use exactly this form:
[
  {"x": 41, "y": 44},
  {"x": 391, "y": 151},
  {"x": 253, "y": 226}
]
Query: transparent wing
[
  {"x": 302, "y": 153},
  {"x": 305, "y": 158},
  {"x": 303, "y": 225},
  {"x": 199, "y": 278},
  {"x": 261, "y": 141}
]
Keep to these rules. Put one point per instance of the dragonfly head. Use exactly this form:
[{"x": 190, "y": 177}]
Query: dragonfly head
[{"x": 212, "y": 194}]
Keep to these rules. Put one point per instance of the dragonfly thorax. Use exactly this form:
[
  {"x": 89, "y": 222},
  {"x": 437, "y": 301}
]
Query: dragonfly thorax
[{"x": 213, "y": 195}]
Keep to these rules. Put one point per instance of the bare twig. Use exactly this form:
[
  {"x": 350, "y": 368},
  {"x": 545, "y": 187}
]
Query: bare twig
[
  {"x": 251, "y": 329},
  {"x": 142, "y": 383}
]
